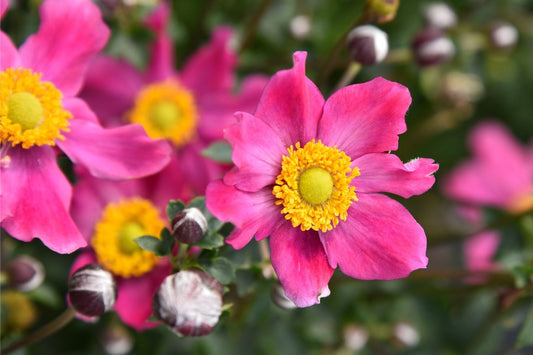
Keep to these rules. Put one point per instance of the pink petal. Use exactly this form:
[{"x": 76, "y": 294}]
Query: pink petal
[
  {"x": 161, "y": 64},
  {"x": 301, "y": 264},
  {"x": 37, "y": 200},
  {"x": 92, "y": 195},
  {"x": 114, "y": 153},
  {"x": 211, "y": 68},
  {"x": 251, "y": 213},
  {"x": 70, "y": 34},
  {"x": 479, "y": 250},
  {"x": 382, "y": 172},
  {"x": 110, "y": 89},
  {"x": 3, "y": 7},
  {"x": 80, "y": 109},
  {"x": 217, "y": 112},
  {"x": 85, "y": 258},
  {"x": 365, "y": 118},
  {"x": 291, "y": 104},
  {"x": 257, "y": 153},
  {"x": 134, "y": 301},
  {"x": 379, "y": 240},
  {"x": 10, "y": 56}
]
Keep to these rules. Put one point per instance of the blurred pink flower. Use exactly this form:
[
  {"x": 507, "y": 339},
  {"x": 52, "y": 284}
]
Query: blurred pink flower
[
  {"x": 500, "y": 175},
  {"x": 39, "y": 110},
  {"x": 190, "y": 107},
  {"x": 308, "y": 174},
  {"x": 110, "y": 215}
]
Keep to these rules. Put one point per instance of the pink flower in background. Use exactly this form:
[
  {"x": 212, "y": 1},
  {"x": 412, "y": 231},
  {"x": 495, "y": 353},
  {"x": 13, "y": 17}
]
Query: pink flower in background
[
  {"x": 190, "y": 108},
  {"x": 39, "y": 110},
  {"x": 499, "y": 175},
  {"x": 111, "y": 214},
  {"x": 309, "y": 173}
]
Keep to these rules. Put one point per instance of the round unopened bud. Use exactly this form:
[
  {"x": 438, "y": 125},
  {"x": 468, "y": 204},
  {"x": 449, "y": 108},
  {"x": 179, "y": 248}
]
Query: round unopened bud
[
  {"x": 189, "y": 302},
  {"x": 503, "y": 35},
  {"x": 280, "y": 299},
  {"x": 367, "y": 44},
  {"x": 300, "y": 26},
  {"x": 189, "y": 225},
  {"x": 431, "y": 47},
  {"x": 355, "y": 337},
  {"x": 116, "y": 340},
  {"x": 439, "y": 15},
  {"x": 381, "y": 11},
  {"x": 25, "y": 273},
  {"x": 406, "y": 334},
  {"x": 92, "y": 290}
]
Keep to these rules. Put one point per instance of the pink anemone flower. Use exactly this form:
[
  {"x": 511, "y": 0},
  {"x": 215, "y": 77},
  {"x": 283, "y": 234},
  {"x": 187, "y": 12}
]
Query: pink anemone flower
[
  {"x": 39, "y": 111},
  {"x": 308, "y": 173},
  {"x": 500, "y": 175},
  {"x": 190, "y": 108},
  {"x": 111, "y": 214}
]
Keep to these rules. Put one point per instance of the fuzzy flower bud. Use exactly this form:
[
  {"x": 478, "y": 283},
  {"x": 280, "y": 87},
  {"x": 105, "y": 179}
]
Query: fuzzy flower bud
[
  {"x": 25, "y": 273},
  {"x": 503, "y": 35},
  {"x": 431, "y": 47},
  {"x": 92, "y": 290},
  {"x": 439, "y": 15},
  {"x": 300, "y": 26},
  {"x": 367, "y": 44},
  {"x": 382, "y": 11},
  {"x": 280, "y": 298},
  {"x": 405, "y": 334},
  {"x": 189, "y": 225},
  {"x": 189, "y": 302}
]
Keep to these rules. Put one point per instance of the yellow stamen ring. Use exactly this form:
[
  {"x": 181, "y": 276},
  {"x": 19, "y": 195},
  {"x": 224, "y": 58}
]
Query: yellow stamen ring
[
  {"x": 113, "y": 240},
  {"x": 314, "y": 186},
  {"x": 166, "y": 110},
  {"x": 31, "y": 111}
]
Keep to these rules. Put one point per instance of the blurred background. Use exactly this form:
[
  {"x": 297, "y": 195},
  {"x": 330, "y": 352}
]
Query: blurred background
[{"x": 433, "y": 311}]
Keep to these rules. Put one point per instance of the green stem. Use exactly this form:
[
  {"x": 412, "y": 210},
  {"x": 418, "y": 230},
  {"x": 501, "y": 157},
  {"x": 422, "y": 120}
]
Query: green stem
[
  {"x": 351, "y": 72},
  {"x": 251, "y": 27},
  {"x": 42, "y": 332}
]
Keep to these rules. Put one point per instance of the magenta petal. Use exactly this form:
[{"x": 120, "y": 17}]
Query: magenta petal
[
  {"x": 479, "y": 250},
  {"x": 134, "y": 301},
  {"x": 301, "y": 264},
  {"x": 37, "y": 200},
  {"x": 110, "y": 89},
  {"x": 291, "y": 104},
  {"x": 80, "y": 109},
  {"x": 161, "y": 64},
  {"x": 85, "y": 258},
  {"x": 252, "y": 213},
  {"x": 379, "y": 240},
  {"x": 10, "y": 56},
  {"x": 3, "y": 7},
  {"x": 381, "y": 172},
  {"x": 211, "y": 69},
  {"x": 257, "y": 153},
  {"x": 114, "y": 153},
  {"x": 365, "y": 118},
  {"x": 70, "y": 34}
]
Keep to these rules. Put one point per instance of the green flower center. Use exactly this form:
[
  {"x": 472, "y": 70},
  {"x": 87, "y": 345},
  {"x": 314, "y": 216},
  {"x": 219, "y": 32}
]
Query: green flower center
[
  {"x": 315, "y": 186},
  {"x": 128, "y": 233},
  {"x": 164, "y": 115},
  {"x": 25, "y": 109}
]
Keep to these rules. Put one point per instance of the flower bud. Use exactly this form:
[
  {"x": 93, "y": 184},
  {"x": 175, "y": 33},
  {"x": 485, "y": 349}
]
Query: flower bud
[
  {"x": 280, "y": 298},
  {"x": 25, "y": 273},
  {"x": 116, "y": 341},
  {"x": 189, "y": 302},
  {"x": 431, "y": 47},
  {"x": 92, "y": 290},
  {"x": 367, "y": 44},
  {"x": 439, "y": 15},
  {"x": 503, "y": 35},
  {"x": 189, "y": 225},
  {"x": 405, "y": 334},
  {"x": 381, "y": 11},
  {"x": 300, "y": 26},
  {"x": 355, "y": 337}
]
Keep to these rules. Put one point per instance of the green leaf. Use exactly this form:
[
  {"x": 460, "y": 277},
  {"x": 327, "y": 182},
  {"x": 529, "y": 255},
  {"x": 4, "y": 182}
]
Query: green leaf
[
  {"x": 219, "y": 151},
  {"x": 221, "y": 269},
  {"x": 153, "y": 244},
  {"x": 210, "y": 241},
  {"x": 525, "y": 338},
  {"x": 173, "y": 208}
]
